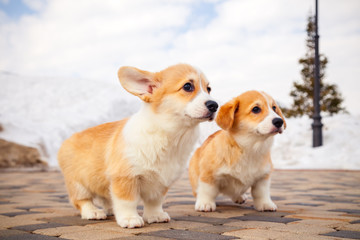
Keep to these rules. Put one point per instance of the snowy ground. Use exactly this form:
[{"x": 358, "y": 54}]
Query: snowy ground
[{"x": 42, "y": 112}]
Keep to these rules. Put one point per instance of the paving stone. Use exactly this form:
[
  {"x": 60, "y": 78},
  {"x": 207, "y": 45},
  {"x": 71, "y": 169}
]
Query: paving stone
[
  {"x": 9, "y": 208},
  {"x": 353, "y": 195},
  {"x": 344, "y": 234},
  {"x": 270, "y": 214},
  {"x": 349, "y": 227},
  {"x": 8, "y": 222},
  {"x": 182, "y": 195},
  {"x": 267, "y": 217},
  {"x": 185, "y": 225},
  {"x": 226, "y": 212},
  {"x": 349, "y": 211},
  {"x": 333, "y": 200},
  {"x": 181, "y": 225},
  {"x": 320, "y": 189},
  {"x": 254, "y": 225},
  {"x": 300, "y": 228},
  {"x": 187, "y": 235},
  {"x": 325, "y": 216},
  {"x": 218, "y": 229},
  {"x": 333, "y": 224},
  {"x": 262, "y": 234},
  {"x": 13, "y": 214},
  {"x": 300, "y": 179},
  {"x": 74, "y": 220},
  {"x": 63, "y": 196},
  {"x": 12, "y": 187},
  {"x": 142, "y": 237},
  {"x": 33, "y": 227},
  {"x": 277, "y": 198},
  {"x": 60, "y": 200},
  {"x": 58, "y": 231},
  {"x": 94, "y": 235},
  {"x": 175, "y": 203},
  {"x": 10, "y": 232},
  {"x": 215, "y": 221},
  {"x": 305, "y": 204},
  {"x": 180, "y": 211},
  {"x": 318, "y": 201},
  {"x": 28, "y": 208},
  {"x": 29, "y": 236}
]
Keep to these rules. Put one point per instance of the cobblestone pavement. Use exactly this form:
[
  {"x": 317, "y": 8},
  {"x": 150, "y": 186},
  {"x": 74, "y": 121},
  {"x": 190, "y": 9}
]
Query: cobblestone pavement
[{"x": 311, "y": 205}]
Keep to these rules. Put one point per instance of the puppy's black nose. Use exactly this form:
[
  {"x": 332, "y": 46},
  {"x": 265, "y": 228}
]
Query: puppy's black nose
[
  {"x": 211, "y": 105},
  {"x": 278, "y": 122}
]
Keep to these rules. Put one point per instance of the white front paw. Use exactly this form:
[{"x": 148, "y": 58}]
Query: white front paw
[
  {"x": 130, "y": 222},
  {"x": 158, "y": 217},
  {"x": 93, "y": 214},
  {"x": 205, "y": 206},
  {"x": 265, "y": 205}
]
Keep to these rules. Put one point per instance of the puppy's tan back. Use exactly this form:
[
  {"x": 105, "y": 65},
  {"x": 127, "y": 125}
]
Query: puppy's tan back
[{"x": 82, "y": 158}]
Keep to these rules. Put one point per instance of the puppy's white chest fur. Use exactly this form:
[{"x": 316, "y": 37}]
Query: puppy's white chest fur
[
  {"x": 160, "y": 147},
  {"x": 249, "y": 168}
]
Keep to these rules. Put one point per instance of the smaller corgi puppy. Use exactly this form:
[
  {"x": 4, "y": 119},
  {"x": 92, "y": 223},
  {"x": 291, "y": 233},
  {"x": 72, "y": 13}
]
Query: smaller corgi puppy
[
  {"x": 121, "y": 163},
  {"x": 237, "y": 157}
]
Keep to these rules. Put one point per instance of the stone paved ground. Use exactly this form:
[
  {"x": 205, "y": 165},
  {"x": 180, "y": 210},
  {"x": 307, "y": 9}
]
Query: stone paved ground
[{"x": 312, "y": 205}]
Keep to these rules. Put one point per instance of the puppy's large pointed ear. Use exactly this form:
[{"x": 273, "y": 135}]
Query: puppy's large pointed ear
[
  {"x": 138, "y": 82},
  {"x": 226, "y": 115}
]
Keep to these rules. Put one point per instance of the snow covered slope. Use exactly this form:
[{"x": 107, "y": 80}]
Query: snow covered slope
[
  {"x": 42, "y": 112},
  {"x": 341, "y": 144}
]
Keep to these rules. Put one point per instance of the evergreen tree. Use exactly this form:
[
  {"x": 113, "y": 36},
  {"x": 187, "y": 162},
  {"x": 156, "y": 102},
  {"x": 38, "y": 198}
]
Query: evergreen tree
[{"x": 302, "y": 91}]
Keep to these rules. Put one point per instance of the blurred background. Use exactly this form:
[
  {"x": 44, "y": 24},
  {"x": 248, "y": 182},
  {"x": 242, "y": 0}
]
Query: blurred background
[{"x": 59, "y": 62}]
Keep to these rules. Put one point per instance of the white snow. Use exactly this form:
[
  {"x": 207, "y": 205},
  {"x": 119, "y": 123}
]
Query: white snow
[
  {"x": 341, "y": 144},
  {"x": 42, "y": 112}
]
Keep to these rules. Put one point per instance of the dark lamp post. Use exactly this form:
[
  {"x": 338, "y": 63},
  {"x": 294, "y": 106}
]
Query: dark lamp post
[{"x": 317, "y": 125}]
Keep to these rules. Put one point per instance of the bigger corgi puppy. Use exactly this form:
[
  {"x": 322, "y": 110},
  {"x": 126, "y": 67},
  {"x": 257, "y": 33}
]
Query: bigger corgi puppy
[
  {"x": 138, "y": 158},
  {"x": 238, "y": 157}
]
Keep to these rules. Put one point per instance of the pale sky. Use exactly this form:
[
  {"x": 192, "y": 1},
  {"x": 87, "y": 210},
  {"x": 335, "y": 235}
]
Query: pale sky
[{"x": 239, "y": 44}]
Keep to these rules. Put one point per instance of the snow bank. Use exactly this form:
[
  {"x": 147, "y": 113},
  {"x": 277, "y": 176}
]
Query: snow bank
[
  {"x": 341, "y": 144},
  {"x": 42, "y": 112}
]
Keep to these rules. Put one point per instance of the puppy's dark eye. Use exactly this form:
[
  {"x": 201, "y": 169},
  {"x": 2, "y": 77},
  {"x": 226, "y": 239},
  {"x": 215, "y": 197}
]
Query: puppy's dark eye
[
  {"x": 274, "y": 108},
  {"x": 208, "y": 89},
  {"x": 256, "y": 110},
  {"x": 188, "y": 87}
]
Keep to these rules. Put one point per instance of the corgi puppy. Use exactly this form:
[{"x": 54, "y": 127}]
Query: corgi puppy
[
  {"x": 138, "y": 158},
  {"x": 238, "y": 157}
]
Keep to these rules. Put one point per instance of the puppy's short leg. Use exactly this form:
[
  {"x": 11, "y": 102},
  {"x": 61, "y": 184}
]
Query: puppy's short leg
[
  {"x": 82, "y": 199},
  {"x": 206, "y": 194},
  {"x": 154, "y": 213},
  {"x": 125, "y": 197},
  {"x": 105, "y": 204},
  {"x": 261, "y": 194},
  {"x": 89, "y": 210}
]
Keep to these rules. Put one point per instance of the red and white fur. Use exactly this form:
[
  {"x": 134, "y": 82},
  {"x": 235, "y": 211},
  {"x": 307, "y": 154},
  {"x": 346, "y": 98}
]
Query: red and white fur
[
  {"x": 137, "y": 159},
  {"x": 237, "y": 158}
]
